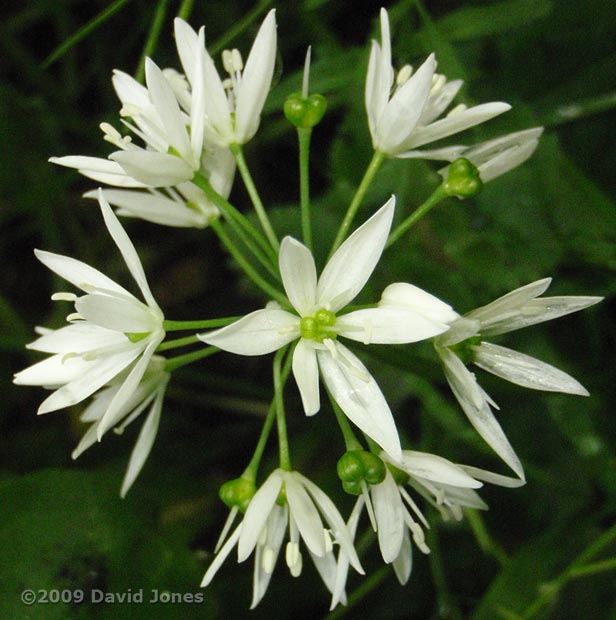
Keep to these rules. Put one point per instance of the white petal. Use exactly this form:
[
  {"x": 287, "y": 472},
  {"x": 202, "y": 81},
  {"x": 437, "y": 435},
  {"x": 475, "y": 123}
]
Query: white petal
[
  {"x": 388, "y": 325},
  {"x": 447, "y": 153},
  {"x": 525, "y": 370},
  {"x": 436, "y": 469},
  {"x": 221, "y": 556},
  {"x": 299, "y": 275},
  {"x": 128, "y": 316},
  {"x": 187, "y": 43},
  {"x": 388, "y": 510},
  {"x": 461, "y": 329},
  {"x": 403, "y": 564},
  {"x": 144, "y": 443},
  {"x": 197, "y": 105},
  {"x": 52, "y": 372},
  {"x": 455, "y": 123},
  {"x": 257, "y": 513},
  {"x": 354, "y": 261},
  {"x": 81, "y": 275},
  {"x": 216, "y": 104},
  {"x": 258, "y": 333},
  {"x": 76, "y": 338},
  {"x": 127, "y": 249},
  {"x": 327, "y": 569},
  {"x": 438, "y": 103},
  {"x": 305, "y": 514},
  {"x": 411, "y": 296},
  {"x": 359, "y": 396},
  {"x": 472, "y": 401},
  {"x": 256, "y": 80},
  {"x": 102, "y": 170},
  {"x": 306, "y": 373},
  {"x": 492, "y": 478},
  {"x": 87, "y": 441},
  {"x": 402, "y": 113},
  {"x": 152, "y": 168}
]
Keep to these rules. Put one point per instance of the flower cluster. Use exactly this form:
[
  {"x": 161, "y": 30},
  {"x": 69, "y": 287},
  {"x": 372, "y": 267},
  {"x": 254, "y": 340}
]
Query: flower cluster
[{"x": 192, "y": 126}]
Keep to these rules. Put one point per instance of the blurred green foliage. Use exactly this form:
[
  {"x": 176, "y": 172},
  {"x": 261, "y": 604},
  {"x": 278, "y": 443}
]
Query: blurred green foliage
[{"x": 63, "y": 525}]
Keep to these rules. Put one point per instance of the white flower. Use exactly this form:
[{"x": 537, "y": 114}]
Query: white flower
[
  {"x": 232, "y": 106},
  {"x": 407, "y": 118},
  {"x": 495, "y": 157},
  {"x": 110, "y": 331},
  {"x": 150, "y": 391},
  {"x": 317, "y": 326},
  {"x": 263, "y": 528},
  {"x": 395, "y": 516},
  {"x": 520, "y": 308}
]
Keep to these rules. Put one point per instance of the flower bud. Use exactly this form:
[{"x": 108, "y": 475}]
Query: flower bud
[
  {"x": 237, "y": 492},
  {"x": 463, "y": 180},
  {"x": 305, "y": 112},
  {"x": 357, "y": 466}
]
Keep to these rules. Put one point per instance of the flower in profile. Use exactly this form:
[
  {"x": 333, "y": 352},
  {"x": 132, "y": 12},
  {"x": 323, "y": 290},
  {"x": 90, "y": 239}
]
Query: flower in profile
[
  {"x": 110, "y": 331},
  {"x": 149, "y": 393},
  {"x": 233, "y": 105},
  {"x": 317, "y": 325},
  {"x": 287, "y": 500},
  {"x": 407, "y": 118},
  {"x": 496, "y": 157},
  {"x": 464, "y": 343}
]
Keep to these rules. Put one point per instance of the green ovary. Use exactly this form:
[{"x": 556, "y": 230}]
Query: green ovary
[{"x": 319, "y": 326}]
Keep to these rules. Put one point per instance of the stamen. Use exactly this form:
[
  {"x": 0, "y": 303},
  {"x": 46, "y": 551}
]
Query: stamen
[
  {"x": 64, "y": 297},
  {"x": 413, "y": 506},
  {"x": 329, "y": 545},
  {"x": 457, "y": 110},
  {"x": 268, "y": 560},
  {"x": 225, "y": 530},
  {"x": 369, "y": 507},
  {"x": 74, "y": 316},
  {"x": 112, "y": 135},
  {"x": 130, "y": 109},
  {"x": 262, "y": 536},
  {"x": 419, "y": 537},
  {"x": 293, "y": 558},
  {"x": 403, "y": 75},
  {"x": 438, "y": 81},
  {"x": 306, "y": 77}
]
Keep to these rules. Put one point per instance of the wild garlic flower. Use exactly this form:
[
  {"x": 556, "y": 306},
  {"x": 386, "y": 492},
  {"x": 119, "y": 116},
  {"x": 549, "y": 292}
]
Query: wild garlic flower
[
  {"x": 288, "y": 501},
  {"x": 233, "y": 105},
  {"x": 110, "y": 331},
  {"x": 464, "y": 343},
  {"x": 405, "y": 118},
  {"x": 496, "y": 157},
  {"x": 149, "y": 393},
  {"x": 317, "y": 324}
]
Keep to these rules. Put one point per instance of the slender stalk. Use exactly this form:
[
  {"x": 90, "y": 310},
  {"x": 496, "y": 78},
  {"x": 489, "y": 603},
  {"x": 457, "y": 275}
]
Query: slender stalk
[
  {"x": 236, "y": 149},
  {"x": 483, "y": 537},
  {"x": 283, "y": 440},
  {"x": 446, "y": 605},
  {"x": 350, "y": 440},
  {"x": 594, "y": 568},
  {"x": 178, "y": 342},
  {"x": 186, "y": 9},
  {"x": 176, "y": 326},
  {"x": 437, "y": 196},
  {"x": 265, "y": 286},
  {"x": 252, "y": 468},
  {"x": 304, "y": 135},
  {"x": 375, "y": 163},
  {"x": 182, "y": 360},
  {"x": 153, "y": 36}
]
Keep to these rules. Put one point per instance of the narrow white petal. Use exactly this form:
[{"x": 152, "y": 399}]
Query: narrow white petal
[
  {"x": 52, "y": 372},
  {"x": 403, "y": 564},
  {"x": 144, "y": 443},
  {"x": 447, "y": 153},
  {"x": 525, "y": 370},
  {"x": 306, "y": 373},
  {"x": 455, "y": 123},
  {"x": 354, "y": 261},
  {"x": 221, "y": 556},
  {"x": 128, "y": 316},
  {"x": 76, "y": 338},
  {"x": 474, "y": 405},
  {"x": 507, "y": 160},
  {"x": 436, "y": 469},
  {"x": 388, "y": 325},
  {"x": 127, "y": 249},
  {"x": 437, "y": 104},
  {"x": 257, "y": 513},
  {"x": 305, "y": 514},
  {"x": 197, "y": 105},
  {"x": 216, "y": 104},
  {"x": 388, "y": 510},
  {"x": 87, "y": 441},
  {"x": 359, "y": 396},
  {"x": 492, "y": 478},
  {"x": 461, "y": 329},
  {"x": 411, "y": 296},
  {"x": 258, "y": 333},
  {"x": 327, "y": 568},
  {"x": 299, "y": 275},
  {"x": 256, "y": 80},
  {"x": 152, "y": 168},
  {"x": 81, "y": 275},
  {"x": 187, "y": 43},
  {"x": 99, "y": 169}
]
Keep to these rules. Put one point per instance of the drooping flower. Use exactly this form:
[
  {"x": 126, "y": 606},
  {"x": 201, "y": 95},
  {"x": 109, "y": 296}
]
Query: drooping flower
[
  {"x": 110, "y": 332},
  {"x": 464, "y": 343},
  {"x": 408, "y": 118},
  {"x": 233, "y": 105},
  {"x": 149, "y": 393},
  {"x": 317, "y": 325},
  {"x": 262, "y": 531}
]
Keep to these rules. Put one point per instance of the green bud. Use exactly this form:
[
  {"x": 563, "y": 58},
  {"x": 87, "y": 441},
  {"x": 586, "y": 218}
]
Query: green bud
[
  {"x": 351, "y": 487},
  {"x": 463, "y": 180},
  {"x": 350, "y": 467},
  {"x": 357, "y": 466},
  {"x": 374, "y": 468},
  {"x": 305, "y": 112},
  {"x": 237, "y": 492}
]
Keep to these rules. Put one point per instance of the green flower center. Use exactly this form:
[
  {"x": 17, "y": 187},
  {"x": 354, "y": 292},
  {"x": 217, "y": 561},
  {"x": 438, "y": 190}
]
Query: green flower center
[
  {"x": 319, "y": 326},
  {"x": 464, "y": 349}
]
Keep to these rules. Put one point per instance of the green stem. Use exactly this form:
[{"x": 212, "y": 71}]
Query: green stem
[
  {"x": 153, "y": 36},
  {"x": 375, "y": 163},
  {"x": 482, "y": 535},
  {"x": 594, "y": 568},
  {"x": 186, "y": 9},
  {"x": 176, "y": 326},
  {"x": 283, "y": 440},
  {"x": 252, "y": 468},
  {"x": 350, "y": 440},
  {"x": 236, "y": 149},
  {"x": 240, "y": 224},
  {"x": 437, "y": 196},
  {"x": 178, "y": 342},
  {"x": 303, "y": 135},
  {"x": 265, "y": 286},
  {"x": 446, "y": 606},
  {"x": 182, "y": 360}
]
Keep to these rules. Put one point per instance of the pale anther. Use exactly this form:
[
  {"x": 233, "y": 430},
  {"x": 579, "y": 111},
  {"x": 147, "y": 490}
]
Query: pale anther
[{"x": 404, "y": 74}]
